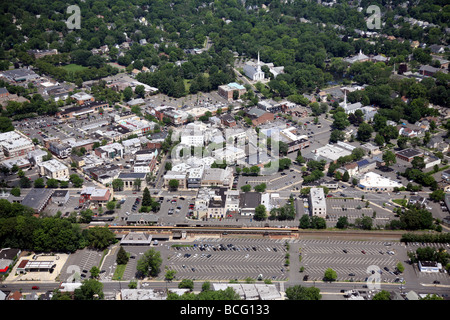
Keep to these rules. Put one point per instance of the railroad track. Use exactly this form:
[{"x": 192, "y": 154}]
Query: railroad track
[{"x": 263, "y": 231}]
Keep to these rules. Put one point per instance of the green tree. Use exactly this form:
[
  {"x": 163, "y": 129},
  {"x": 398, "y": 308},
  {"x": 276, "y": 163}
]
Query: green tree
[
  {"x": 111, "y": 205},
  {"x": 418, "y": 163},
  {"x": 337, "y": 135},
  {"x": 150, "y": 263},
  {"x": 342, "y": 222},
  {"x": 389, "y": 158},
  {"x": 379, "y": 140},
  {"x": 299, "y": 292},
  {"x": 304, "y": 222},
  {"x": 52, "y": 183},
  {"x": 127, "y": 93},
  {"x": 260, "y": 212},
  {"x": 364, "y": 132},
  {"x": 39, "y": 183},
  {"x": 6, "y": 124},
  {"x": 246, "y": 188},
  {"x": 170, "y": 274},
  {"x": 122, "y": 256},
  {"x": 95, "y": 272},
  {"x": 76, "y": 180},
  {"x": 90, "y": 289},
  {"x": 345, "y": 176},
  {"x": 260, "y": 187},
  {"x": 382, "y": 295},
  {"x": 340, "y": 120},
  {"x": 146, "y": 198},
  {"x": 174, "y": 184},
  {"x": 15, "y": 191},
  {"x": 99, "y": 237},
  {"x": 364, "y": 223},
  {"x": 330, "y": 275},
  {"x": 186, "y": 284},
  {"x": 437, "y": 195},
  {"x": 117, "y": 184}
]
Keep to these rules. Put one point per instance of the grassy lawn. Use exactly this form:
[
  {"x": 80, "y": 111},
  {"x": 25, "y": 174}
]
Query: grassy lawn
[
  {"x": 402, "y": 202},
  {"x": 74, "y": 67},
  {"x": 118, "y": 273}
]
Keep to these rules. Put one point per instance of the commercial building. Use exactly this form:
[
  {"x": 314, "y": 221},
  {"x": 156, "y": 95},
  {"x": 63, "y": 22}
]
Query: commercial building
[
  {"x": 130, "y": 178},
  {"x": 331, "y": 152},
  {"x": 110, "y": 151},
  {"x": 194, "y": 177},
  {"x": 259, "y": 116},
  {"x": 372, "y": 181},
  {"x": 137, "y": 125},
  {"x": 216, "y": 205},
  {"x": 227, "y": 91},
  {"x": 408, "y": 154},
  {"x": 228, "y": 154},
  {"x": 95, "y": 196},
  {"x": 19, "y": 75},
  {"x": 142, "y": 219},
  {"x": 217, "y": 177},
  {"x": 61, "y": 150},
  {"x": 174, "y": 175},
  {"x": 429, "y": 266},
  {"x": 60, "y": 196},
  {"x": 82, "y": 108},
  {"x": 53, "y": 169},
  {"x": 317, "y": 202},
  {"x": 37, "y": 54},
  {"x": 251, "y": 291},
  {"x": 248, "y": 203},
  {"x": 35, "y": 266},
  {"x": 82, "y": 97},
  {"x": 192, "y": 137},
  {"x": 228, "y": 120},
  {"x": 37, "y": 199},
  {"x": 14, "y": 145}
]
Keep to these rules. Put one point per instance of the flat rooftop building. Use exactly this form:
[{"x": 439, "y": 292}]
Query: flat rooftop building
[
  {"x": 408, "y": 154},
  {"x": 331, "y": 152},
  {"x": 317, "y": 202},
  {"x": 374, "y": 182}
]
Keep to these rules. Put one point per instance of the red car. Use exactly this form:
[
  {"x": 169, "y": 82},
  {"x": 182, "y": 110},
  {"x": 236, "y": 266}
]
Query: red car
[
  {"x": 35, "y": 288},
  {"x": 363, "y": 252}
]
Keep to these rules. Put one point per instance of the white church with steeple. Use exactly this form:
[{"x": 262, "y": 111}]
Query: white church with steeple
[{"x": 253, "y": 71}]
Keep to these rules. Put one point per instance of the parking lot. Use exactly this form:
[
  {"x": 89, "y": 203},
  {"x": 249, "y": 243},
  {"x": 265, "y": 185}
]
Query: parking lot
[
  {"x": 224, "y": 259},
  {"x": 354, "y": 209},
  {"x": 351, "y": 259},
  {"x": 79, "y": 263},
  {"x": 288, "y": 180},
  {"x": 228, "y": 259}
]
